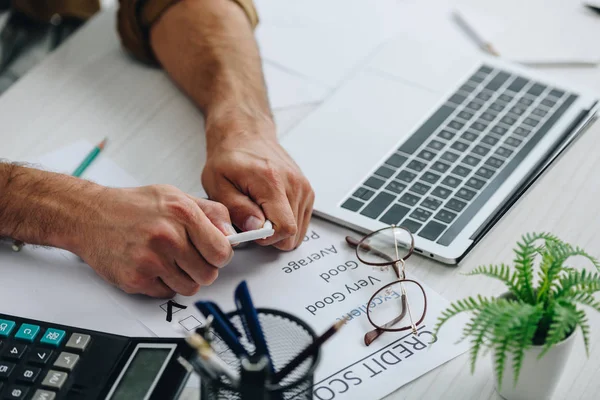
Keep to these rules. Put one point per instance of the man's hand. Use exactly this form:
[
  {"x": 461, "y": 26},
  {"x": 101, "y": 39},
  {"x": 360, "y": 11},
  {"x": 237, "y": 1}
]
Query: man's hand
[
  {"x": 256, "y": 179},
  {"x": 209, "y": 50},
  {"x": 156, "y": 240}
]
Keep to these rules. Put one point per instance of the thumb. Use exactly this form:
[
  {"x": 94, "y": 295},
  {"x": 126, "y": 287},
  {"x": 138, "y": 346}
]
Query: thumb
[
  {"x": 244, "y": 212},
  {"x": 217, "y": 214}
]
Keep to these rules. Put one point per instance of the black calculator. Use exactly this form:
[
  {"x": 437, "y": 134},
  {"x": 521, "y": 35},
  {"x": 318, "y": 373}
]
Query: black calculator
[{"x": 46, "y": 361}]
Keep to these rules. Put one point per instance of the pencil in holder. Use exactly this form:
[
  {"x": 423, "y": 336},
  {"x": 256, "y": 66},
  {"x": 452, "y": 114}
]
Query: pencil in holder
[{"x": 286, "y": 336}]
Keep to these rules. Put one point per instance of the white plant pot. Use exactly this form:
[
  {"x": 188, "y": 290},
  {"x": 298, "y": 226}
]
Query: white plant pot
[{"x": 538, "y": 377}]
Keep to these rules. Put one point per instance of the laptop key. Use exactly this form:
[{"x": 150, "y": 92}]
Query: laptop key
[
  {"x": 484, "y": 96},
  {"x": 456, "y": 125},
  {"x": 420, "y": 188},
  {"x": 508, "y": 120},
  {"x": 489, "y": 140},
  {"x": 487, "y": 116},
  {"x": 466, "y": 115},
  {"x": 436, "y": 145},
  {"x": 445, "y": 216},
  {"x": 505, "y": 97},
  {"x": 409, "y": 199},
  {"x": 548, "y": 102},
  {"x": 441, "y": 192},
  {"x": 406, "y": 176},
  {"x": 384, "y": 172},
  {"x": 518, "y": 110},
  {"x": 467, "y": 88},
  {"x": 497, "y": 107},
  {"x": 352, "y": 204},
  {"x": 363, "y": 193},
  {"x": 539, "y": 112},
  {"x": 432, "y": 230},
  {"x": 503, "y": 152},
  {"x": 525, "y": 101},
  {"x": 416, "y": 165},
  {"x": 396, "y": 160},
  {"x": 412, "y": 226},
  {"x": 499, "y": 130},
  {"x": 494, "y": 162},
  {"x": 536, "y": 89},
  {"x": 557, "y": 93},
  {"x": 456, "y": 205},
  {"x": 484, "y": 172},
  {"x": 461, "y": 171},
  {"x": 447, "y": 135},
  {"x": 451, "y": 181},
  {"x": 484, "y": 69},
  {"x": 480, "y": 150},
  {"x": 512, "y": 141},
  {"x": 478, "y": 126},
  {"x": 522, "y": 131},
  {"x": 440, "y": 167},
  {"x": 497, "y": 82},
  {"x": 426, "y": 155},
  {"x": 475, "y": 183},
  {"x": 531, "y": 122},
  {"x": 377, "y": 205},
  {"x": 394, "y": 215},
  {"x": 396, "y": 187},
  {"x": 469, "y": 136},
  {"x": 374, "y": 183},
  {"x": 459, "y": 146},
  {"x": 457, "y": 99},
  {"x": 430, "y": 177},
  {"x": 473, "y": 105},
  {"x": 449, "y": 156},
  {"x": 425, "y": 131},
  {"x": 466, "y": 194},
  {"x": 518, "y": 84},
  {"x": 421, "y": 215},
  {"x": 470, "y": 160},
  {"x": 431, "y": 203}
]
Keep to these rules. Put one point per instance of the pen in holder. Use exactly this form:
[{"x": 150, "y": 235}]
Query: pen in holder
[{"x": 286, "y": 336}]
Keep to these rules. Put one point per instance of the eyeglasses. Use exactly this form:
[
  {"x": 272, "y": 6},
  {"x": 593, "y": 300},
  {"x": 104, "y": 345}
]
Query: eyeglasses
[{"x": 402, "y": 304}]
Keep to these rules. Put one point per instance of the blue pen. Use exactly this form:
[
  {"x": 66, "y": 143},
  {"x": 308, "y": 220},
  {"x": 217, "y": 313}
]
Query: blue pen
[
  {"x": 201, "y": 305},
  {"x": 222, "y": 328},
  {"x": 251, "y": 322}
]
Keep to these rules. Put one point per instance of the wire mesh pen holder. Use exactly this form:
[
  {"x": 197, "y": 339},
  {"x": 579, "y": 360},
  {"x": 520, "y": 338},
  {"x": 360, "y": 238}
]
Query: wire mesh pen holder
[{"x": 286, "y": 336}]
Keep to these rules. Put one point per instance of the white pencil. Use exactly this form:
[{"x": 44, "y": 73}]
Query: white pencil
[
  {"x": 482, "y": 42},
  {"x": 263, "y": 233}
]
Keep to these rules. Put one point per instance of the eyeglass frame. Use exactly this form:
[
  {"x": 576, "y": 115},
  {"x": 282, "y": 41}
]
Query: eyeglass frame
[{"x": 378, "y": 331}]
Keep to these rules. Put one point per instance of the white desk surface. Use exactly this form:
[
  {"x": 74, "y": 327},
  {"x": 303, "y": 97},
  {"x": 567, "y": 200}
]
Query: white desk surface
[{"x": 87, "y": 90}]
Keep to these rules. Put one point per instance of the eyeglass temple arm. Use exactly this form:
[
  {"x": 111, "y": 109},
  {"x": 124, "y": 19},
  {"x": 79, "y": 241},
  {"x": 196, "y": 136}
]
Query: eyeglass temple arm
[
  {"x": 353, "y": 242},
  {"x": 375, "y": 333}
]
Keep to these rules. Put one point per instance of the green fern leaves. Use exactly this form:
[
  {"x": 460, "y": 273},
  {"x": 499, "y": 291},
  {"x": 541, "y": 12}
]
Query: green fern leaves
[{"x": 545, "y": 311}]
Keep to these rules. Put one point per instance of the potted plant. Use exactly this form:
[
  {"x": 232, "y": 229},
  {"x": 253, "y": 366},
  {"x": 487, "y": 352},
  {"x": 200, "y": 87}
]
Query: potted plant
[{"x": 536, "y": 318}]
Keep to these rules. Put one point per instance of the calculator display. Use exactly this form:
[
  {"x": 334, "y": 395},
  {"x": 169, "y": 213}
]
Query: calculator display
[{"x": 142, "y": 373}]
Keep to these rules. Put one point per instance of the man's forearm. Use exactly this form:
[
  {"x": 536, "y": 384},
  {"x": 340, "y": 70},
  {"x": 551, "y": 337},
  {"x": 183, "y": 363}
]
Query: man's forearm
[
  {"x": 40, "y": 207},
  {"x": 208, "y": 48}
]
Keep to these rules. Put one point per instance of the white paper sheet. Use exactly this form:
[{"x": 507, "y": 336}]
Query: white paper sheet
[
  {"x": 301, "y": 282},
  {"x": 54, "y": 285},
  {"x": 287, "y": 89}
]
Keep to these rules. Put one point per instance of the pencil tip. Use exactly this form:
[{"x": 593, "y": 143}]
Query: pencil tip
[
  {"x": 340, "y": 323},
  {"x": 103, "y": 144}
]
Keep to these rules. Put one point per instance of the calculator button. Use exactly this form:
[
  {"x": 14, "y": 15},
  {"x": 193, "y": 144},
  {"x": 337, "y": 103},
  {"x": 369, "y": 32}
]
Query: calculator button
[
  {"x": 43, "y": 395},
  {"x": 40, "y": 356},
  {"x": 16, "y": 392},
  {"x": 15, "y": 351},
  {"x": 29, "y": 374},
  {"x": 55, "y": 379},
  {"x": 66, "y": 361},
  {"x": 27, "y": 332},
  {"x": 53, "y": 337},
  {"x": 6, "y": 327},
  {"x": 5, "y": 369},
  {"x": 78, "y": 341}
]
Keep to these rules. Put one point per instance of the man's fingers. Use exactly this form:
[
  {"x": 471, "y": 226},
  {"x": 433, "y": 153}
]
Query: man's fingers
[
  {"x": 217, "y": 213},
  {"x": 208, "y": 239},
  {"x": 305, "y": 223},
  {"x": 158, "y": 289},
  {"x": 198, "y": 269},
  {"x": 179, "y": 280},
  {"x": 244, "y": 212}
]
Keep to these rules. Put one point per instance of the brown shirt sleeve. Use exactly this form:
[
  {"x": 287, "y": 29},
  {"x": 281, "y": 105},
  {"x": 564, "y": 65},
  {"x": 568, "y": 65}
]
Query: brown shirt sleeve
[{"x": 135, "y": 17}]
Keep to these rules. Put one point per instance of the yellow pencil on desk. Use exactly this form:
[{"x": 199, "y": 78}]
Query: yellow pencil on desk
[
  {"x": 87, "y": 161},
  {"x": 467, "y": 27}
]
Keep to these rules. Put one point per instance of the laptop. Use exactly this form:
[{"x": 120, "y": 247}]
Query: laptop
[{"x": 438, "y": 142}]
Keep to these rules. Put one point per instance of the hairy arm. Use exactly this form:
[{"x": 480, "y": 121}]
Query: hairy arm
[
  {"x": 40, "y": 207},
  {"x": 208, "y": 49}
]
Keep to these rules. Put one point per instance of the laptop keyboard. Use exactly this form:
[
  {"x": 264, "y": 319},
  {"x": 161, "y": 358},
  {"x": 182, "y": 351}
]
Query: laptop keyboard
[{"x": 439, "y": 178}]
